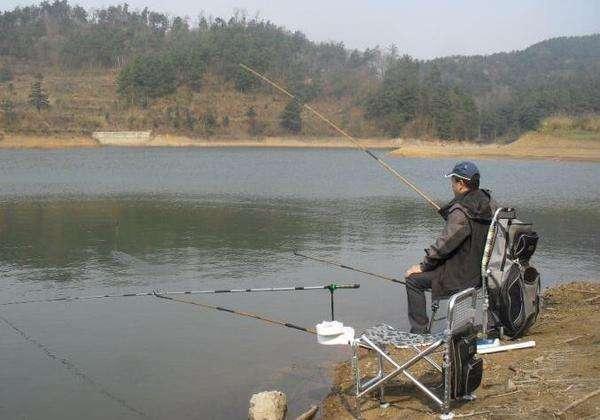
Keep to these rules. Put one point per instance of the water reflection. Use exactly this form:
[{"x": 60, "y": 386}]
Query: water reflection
[{"x": 68, "y": 240}]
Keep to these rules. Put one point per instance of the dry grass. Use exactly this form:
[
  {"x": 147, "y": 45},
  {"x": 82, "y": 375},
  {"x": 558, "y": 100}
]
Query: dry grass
[{"x": 562, "y": 123}]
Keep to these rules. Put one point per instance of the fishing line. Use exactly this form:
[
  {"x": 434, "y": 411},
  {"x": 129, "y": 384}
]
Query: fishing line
[
  {"x": 73, "y": 369},
  {"x": 346, "y": 135},
  {"x": 392, "y": 279}
]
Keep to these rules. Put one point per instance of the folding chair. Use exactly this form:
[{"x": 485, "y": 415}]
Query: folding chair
[{"x": 460, "y": 315}]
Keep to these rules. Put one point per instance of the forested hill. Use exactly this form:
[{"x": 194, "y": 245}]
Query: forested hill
[{"x": 64, "y": 69}]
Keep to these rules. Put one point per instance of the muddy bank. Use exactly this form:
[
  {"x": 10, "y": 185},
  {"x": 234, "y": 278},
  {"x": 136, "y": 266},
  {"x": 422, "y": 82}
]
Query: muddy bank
[
  {"x": 542, "y": 382},
  {"x": 36, "y": 142},
  {"x": 33, "y": 142},
  {"x": 529, "y": 146},
  {"x": 285, "y": 142}
]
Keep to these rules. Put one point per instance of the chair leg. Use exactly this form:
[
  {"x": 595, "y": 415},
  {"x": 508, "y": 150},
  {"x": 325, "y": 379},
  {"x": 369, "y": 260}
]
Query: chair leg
[
  {"x": 356, "y": 368},
  {"x": 435, "y": 305},
  {"x": 446, "y": 413},
  {"x": 382, "y": 402}
]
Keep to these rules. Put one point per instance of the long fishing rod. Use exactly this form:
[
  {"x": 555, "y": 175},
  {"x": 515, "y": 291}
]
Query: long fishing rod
[
  {"x": 349, "y": 268},
  {"x": 346, "y": 135},
  {"x": 236, "y": 312},
  {"x": 329, "y": 287}
]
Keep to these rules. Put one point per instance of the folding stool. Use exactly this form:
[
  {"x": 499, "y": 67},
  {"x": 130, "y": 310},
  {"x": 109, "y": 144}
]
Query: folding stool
[{"x": 461, "y": 314}]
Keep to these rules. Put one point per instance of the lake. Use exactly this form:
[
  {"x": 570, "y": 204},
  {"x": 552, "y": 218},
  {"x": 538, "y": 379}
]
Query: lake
[{"x": 95, "y": 221}]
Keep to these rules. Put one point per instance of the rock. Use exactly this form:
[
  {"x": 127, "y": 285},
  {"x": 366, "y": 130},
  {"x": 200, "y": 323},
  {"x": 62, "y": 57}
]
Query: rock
[{"x": 268, "y": 405}]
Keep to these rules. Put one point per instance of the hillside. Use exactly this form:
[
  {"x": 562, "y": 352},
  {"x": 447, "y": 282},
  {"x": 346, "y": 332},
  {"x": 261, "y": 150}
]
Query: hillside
[{"x": 67, "y": 71}]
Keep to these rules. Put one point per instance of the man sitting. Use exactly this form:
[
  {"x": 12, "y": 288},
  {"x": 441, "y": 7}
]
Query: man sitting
[{"x": 453, "y": 262}]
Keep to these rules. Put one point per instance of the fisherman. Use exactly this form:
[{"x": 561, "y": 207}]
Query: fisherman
[{"x": 453, "y": 262}]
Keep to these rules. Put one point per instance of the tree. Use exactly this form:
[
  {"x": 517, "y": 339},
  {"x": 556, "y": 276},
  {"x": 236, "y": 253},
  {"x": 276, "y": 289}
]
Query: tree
[
  {"x": 146, "y": 78},
  {"x": 37, "y": 97},
  {"x": 290, "y": 118},
  {"x": 9, "y": 116},
  {"x": 395, "y": 102},
  {"x": 255, "y": 127}
]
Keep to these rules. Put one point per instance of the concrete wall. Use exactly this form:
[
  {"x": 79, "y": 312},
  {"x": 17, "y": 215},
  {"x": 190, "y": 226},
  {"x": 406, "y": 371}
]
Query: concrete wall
[{"x": 122, "y": 138}]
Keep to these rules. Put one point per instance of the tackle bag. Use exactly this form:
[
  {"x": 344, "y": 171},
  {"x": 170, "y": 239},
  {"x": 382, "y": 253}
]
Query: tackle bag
[
  {"x": 513, "y": 284},
  {"x": 466, "y": 367}
]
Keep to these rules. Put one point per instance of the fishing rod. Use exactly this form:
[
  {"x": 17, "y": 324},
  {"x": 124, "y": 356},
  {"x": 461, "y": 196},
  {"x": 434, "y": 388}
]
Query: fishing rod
[
  {"x": 298, "y": 254},
  {"x": 236, "y": 312},
  {"x": 330, "y": 287},
  {"x": 346, "y": 135}
]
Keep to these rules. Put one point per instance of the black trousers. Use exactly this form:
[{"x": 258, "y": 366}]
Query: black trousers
[{"x": 416, "y": 285}]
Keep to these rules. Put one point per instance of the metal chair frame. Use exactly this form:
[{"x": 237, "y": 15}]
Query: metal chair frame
[{"x": 461, "y": 313}]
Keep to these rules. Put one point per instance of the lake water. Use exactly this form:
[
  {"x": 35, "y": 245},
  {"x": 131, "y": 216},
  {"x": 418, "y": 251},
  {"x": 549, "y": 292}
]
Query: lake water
[{"x": 84, "y": 222}]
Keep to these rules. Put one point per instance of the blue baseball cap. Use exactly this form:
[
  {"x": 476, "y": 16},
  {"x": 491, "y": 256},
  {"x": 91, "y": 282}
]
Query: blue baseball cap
[{"x": 465, "y": 170}]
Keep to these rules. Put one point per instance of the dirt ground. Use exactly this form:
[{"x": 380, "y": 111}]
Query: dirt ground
[{"x": 542, "y": 382}]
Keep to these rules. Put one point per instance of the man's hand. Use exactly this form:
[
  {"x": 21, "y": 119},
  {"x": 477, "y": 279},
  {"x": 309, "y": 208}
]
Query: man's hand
[{"x": 415, "y": 269}]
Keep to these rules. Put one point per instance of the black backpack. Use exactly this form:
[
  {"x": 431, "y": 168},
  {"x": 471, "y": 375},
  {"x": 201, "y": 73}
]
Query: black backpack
[
  {"x": 513, "y": 285},
  {"x": 467, "y": 367}
]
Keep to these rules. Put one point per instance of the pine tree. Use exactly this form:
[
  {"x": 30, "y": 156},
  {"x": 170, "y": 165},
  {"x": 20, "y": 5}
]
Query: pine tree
[
  {"x": 290, "y": 119},
  {"x": 38, "y": 98}
]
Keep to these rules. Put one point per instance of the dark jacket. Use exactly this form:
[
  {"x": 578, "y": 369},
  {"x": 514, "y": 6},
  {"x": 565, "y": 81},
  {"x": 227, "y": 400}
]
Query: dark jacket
[{"x": 456, "y": 255}]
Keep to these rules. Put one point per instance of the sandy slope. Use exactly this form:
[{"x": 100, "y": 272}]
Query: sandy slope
[{"x": 529, "y": 146}]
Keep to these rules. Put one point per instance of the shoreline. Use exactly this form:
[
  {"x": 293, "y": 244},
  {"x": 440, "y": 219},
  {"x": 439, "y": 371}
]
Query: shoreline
[
  {"x": 529, "y": 146},
  {"x": 539, "y": 382},
  {"x": 37, "y": 142}
]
